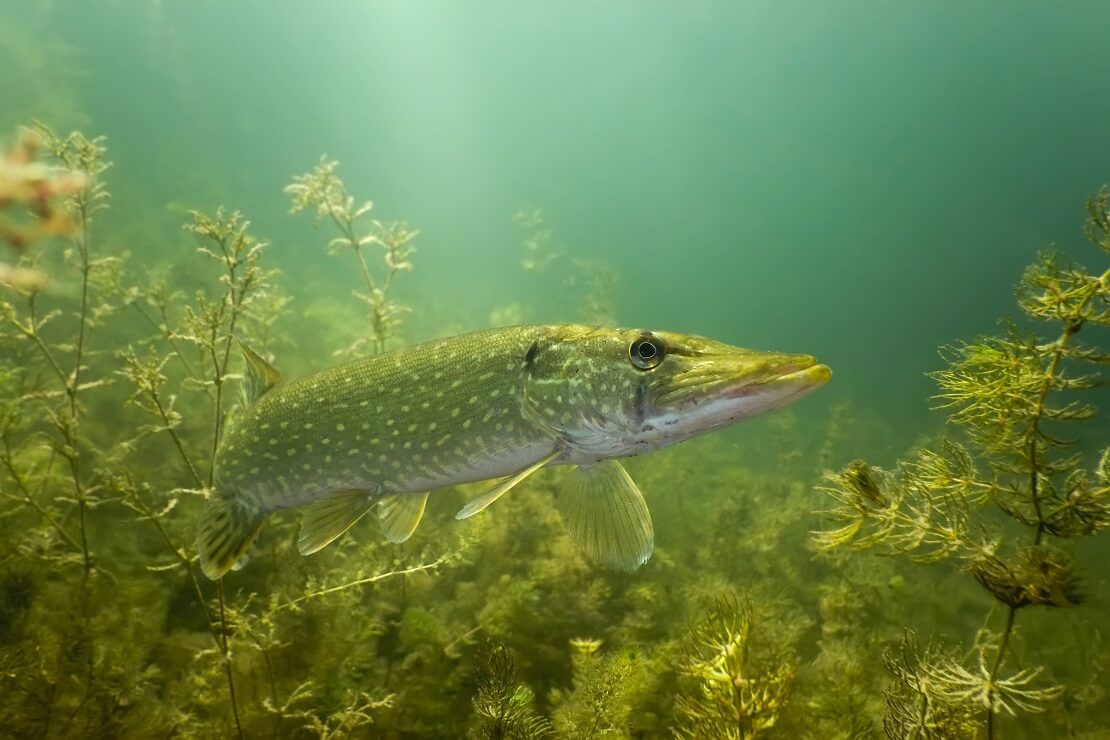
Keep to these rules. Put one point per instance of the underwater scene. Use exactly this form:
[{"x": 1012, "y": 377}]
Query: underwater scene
[{"x": 495, "y": 369}]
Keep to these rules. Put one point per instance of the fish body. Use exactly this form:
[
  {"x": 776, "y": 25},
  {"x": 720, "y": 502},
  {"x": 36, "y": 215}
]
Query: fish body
[
  {"x": 437, "y": 414},
  {"x": 381, "y": 432}
]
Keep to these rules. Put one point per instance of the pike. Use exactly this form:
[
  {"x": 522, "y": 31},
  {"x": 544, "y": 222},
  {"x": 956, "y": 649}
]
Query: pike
[{"x": 378, "y": 434}]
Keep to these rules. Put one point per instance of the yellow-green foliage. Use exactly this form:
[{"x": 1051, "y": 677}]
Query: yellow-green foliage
[
  {"x": 920, "y": 703},
  {"x": 740, "y": 686},
  {"x": 1017, "y": 397},
  {"x": 502, "y": 707},
  {"x": 604, "y": 692},
  {"x": 323, "y": 192},
  {"x": 115, "y": 381},
  {"x": 589, "y": 284}
]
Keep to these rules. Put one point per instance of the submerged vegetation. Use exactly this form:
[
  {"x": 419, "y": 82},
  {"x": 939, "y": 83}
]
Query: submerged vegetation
[
  {"x": 1017, "y": 397},
  {"x": 322, "y": 191},
  {"x": 737, "y": 692},
  {"x": 118, "y": 377}
]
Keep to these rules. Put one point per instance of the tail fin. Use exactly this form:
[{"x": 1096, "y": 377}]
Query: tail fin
[{"x": 227, "y": 530}]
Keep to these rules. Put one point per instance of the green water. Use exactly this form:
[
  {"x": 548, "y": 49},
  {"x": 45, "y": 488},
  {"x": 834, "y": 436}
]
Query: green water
[{"x": 862, "y": 182}]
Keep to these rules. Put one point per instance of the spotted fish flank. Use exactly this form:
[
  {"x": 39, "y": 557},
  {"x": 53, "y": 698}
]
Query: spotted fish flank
[{"x": 375, "y": 435}]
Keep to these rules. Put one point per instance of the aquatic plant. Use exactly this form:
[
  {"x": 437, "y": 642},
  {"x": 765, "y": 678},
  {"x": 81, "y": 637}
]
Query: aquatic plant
[
  {"x": 500, "y": 629},
  {"x": 72, "y": 678},
  {"x": 64, "y": 361},
  {"x": 593, "y": 283},
  {"x": 1015, "y": 396},
  {"x": 604, "y": 692},
  {"x": 502, "y": 707},
  {"x": 920, "y": 703},
  {"x": 197, "y": 342},
  {"x": 539, "y": 249},
  {"x": 211, "y": 325},
  {"x": 741, "y": 687},
  {"x": 322, "y": 191}
]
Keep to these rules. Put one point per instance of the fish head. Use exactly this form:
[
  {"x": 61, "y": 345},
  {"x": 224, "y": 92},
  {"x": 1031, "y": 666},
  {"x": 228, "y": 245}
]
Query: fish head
[{"x": 620, "y": 392}]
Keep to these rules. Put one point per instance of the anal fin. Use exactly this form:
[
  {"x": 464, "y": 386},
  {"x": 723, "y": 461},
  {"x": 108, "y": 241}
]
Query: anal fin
[
  {"x": 399, "y": 514},
  {"x": 607, "y": 517},
  {"x": 483, "y": 501},
  {"x": 326, "y": 520}
]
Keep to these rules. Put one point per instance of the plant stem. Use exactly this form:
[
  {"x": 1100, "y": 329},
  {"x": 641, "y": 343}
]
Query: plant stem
[
  {"x": 273, "y": 685},
  {"x": 347, "y": 228},
  {"x": 216, "y": 408},
  {"x": 218, "y": 368},
  {"x": 363, "y": 581},
  {"x": 233, "y": 301},
  {"x": 1034, "y": 433},
  {"x": 1033, "y": 436},
  {"x": 1002, "y": 645},
  {"x": 163, "y": 329},
  {"x": 365, "y": 270},
  {"x": 227, "y": 658},
  {"x": 922, "y": 716},
  {"x": 29, "y": 500},
  {"x": 157, "y": 400},
  {"x": 72, "y": 438},
  {"x": 79, "y": 352},
  {"x": 32, "y": 333},
  {"x": 67, "y": 428}
]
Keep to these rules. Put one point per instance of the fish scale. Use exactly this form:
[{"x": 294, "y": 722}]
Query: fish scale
[
  {"x": 502, "y": 403},
  {"x": 385, "y": 424}
]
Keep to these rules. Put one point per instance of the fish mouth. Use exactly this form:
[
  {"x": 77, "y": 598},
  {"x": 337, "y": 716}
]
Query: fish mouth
[
  {"x": 744, "y": 374},
  {"x": 801, "y": 372}
]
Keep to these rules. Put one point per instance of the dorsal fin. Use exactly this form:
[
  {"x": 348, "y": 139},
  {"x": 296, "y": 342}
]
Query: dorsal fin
[{"x": 258, "y": 377}]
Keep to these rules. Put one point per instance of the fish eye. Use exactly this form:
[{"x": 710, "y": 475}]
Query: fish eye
[{"x": 646, "y": 352}]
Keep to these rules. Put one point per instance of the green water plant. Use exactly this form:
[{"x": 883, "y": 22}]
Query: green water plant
[
  {"x": 1017, "y": 397},
  {"x": 539, "y": 249},
  {"x": 604, "y": 692},
  {"x": 920, "y": 702},
  {"x": 211, "y": 324},
  {"x": 74, "y": 678},
  {"x": 107, "y": 630},
  {"x": 322, "y": 191},
  {"x": 193, "y": 355},
  {"x": 59, "y": 396},
  {"x": 739, "y": 686},
  {"x": 503, "y": 707},
  {"x": 592, "y": 283}
]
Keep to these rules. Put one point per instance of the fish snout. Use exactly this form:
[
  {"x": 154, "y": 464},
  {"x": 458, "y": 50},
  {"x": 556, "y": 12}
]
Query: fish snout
[{"x": 775, "y": 370}]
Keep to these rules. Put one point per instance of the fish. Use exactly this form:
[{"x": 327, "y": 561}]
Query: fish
[{"x": 378, "y": 434}]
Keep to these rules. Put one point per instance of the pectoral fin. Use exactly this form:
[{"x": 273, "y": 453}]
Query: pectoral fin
[
  {"x": 326, "y": 520},
  {"x": 400, "y": 513},
  {"x": 607, "y": 516},
  {"x": 480, "y": 503}
]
